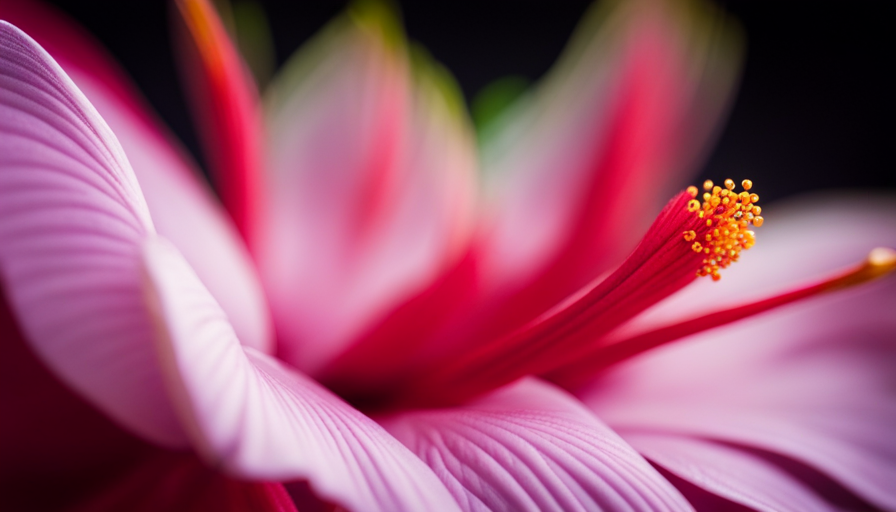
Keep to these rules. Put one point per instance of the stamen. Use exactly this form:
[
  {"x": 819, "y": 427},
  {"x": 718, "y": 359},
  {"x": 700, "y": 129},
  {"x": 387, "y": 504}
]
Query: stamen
[
  {"x": 879, "y": 263},
  {"x": 730, "y": 215},
  {"x": 660, "y": 265}
]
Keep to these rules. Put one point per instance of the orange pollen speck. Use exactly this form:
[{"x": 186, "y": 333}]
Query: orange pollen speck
[{"x": 728, "y": 215}]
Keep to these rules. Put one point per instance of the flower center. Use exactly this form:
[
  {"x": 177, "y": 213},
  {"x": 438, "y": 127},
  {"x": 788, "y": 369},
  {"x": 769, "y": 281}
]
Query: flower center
[
  {"x": 714, "y": 234},
  {"x": 728, "y": 215}
]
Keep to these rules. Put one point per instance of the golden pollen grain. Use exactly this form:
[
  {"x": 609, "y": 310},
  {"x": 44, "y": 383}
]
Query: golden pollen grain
[
  {"x": 728, "y": 215},
  {"x": 880, "y": 257}
]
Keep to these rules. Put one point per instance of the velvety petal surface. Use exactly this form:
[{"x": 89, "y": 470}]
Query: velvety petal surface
[
  {"x": 737, "y": 475},
  {"x": 71, "y": 221},
  {"x": 369, "y": 178},
  {"x": 812, "y": 381},
  {"x": 531, "y": 446},
  {"x": 183, "y": 209},
  {"x": 257, "y": 418}
]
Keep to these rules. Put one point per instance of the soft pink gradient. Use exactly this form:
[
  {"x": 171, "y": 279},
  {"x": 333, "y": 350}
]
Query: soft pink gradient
[{"x": 159, "y": 380}]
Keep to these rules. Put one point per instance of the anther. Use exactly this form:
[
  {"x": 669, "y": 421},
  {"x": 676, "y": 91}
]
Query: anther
[{"x": 727, "y": 215}]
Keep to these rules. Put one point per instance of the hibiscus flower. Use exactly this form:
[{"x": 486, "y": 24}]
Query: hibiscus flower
[{"x": 374, "y": 325}]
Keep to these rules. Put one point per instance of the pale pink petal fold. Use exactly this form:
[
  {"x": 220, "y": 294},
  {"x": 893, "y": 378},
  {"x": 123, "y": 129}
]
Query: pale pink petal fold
[
  {"x": 59, "y": 453},
  {"x": 580, "y": 167},
  {"x": 256, "y": 418},
  {"x": 369, "y": 179},
  {"x": 531, "y": 446},
  {"x": 71, "y": 220},
  {"x": 813, "y": 381},
  {"x": 735, "y": 474},
  {"x": 183, "y": 209}
]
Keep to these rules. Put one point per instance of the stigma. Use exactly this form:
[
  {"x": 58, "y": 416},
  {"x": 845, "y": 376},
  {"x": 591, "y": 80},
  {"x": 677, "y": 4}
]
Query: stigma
[{"x": 722, "y": 222}]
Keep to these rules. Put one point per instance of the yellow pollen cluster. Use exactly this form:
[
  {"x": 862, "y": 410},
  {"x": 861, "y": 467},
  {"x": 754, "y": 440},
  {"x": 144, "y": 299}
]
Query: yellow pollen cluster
[{"x": 728, "y": 216}]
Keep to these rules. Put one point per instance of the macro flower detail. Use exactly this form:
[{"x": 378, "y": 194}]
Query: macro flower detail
[
  {"x": 385, "y": 312},
  {"x": 727, "y": 215}
]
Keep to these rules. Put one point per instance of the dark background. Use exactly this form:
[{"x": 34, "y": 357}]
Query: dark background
[{"x": 816, "y": 106}]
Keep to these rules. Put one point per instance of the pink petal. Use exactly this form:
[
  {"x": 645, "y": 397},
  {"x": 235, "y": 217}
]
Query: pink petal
[
  {"x": 812, "y": 381},
  {"x": 57, "y": 451},
  {"x": 182, "y": 207},
  {"x": 226, "y": 108},
  {"x": 258, "y": 419},
  {"x": 179, "y": 482},
  {"x": 370, "y": 178},
  {"x": 530, "y": 446},
  {"x": 71, "y": 220},
  {"x": 585, "y": 162},
  {"x": 737, "y": 475}
]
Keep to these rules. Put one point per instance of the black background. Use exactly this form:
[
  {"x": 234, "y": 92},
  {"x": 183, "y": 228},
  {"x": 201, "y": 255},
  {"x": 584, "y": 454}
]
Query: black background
[{"x": 815, "y": 109}]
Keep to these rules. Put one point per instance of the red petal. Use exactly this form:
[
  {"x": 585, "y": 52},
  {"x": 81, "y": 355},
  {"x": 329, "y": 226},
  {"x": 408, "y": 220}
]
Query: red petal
[{"x": 226, "y": 107}]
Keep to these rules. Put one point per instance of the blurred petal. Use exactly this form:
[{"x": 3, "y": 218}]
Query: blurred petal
[
  {"x": 226, "y": 109},
  {"x": 179, "y": 482},
  {"x": 183, "y": 209},
  {"x": 737, "y": 475},
  {"x": 578, "y": 169},
  {"x": 530, "y": 446},
  {"x": 370, "y": 184},
  {"x": 256, "y": 418},
  {"x": 71, "y": 221},
  {"x": 812, "y": 381}
]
